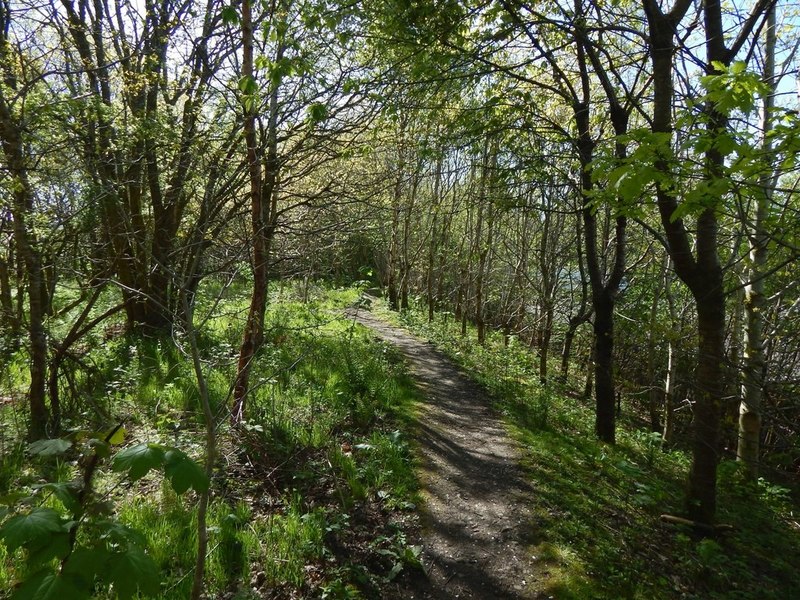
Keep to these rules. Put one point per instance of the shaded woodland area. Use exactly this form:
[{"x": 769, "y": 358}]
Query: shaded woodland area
[{"x": 592, "y": 206}]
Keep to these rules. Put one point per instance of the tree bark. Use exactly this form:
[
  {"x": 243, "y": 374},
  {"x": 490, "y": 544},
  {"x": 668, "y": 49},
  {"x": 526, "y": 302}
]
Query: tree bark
[
  {"x": 748, "y": 447},
  {"x": 263, "y": 214},
  {"x": 29, "y": 254}
]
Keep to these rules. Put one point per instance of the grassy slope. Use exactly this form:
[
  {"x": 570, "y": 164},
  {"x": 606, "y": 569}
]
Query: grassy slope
[{"x": 597, "y": 506}]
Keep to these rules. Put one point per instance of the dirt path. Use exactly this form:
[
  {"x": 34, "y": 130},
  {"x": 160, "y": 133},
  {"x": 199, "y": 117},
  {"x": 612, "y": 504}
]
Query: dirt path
[{"x": 477, "y": 532}]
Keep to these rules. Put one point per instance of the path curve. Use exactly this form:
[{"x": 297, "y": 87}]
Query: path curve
[{"x": 477, "y": 533}]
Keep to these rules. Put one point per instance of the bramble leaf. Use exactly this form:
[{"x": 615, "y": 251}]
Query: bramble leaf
[
  {"x": 38, "y": 524},
  {"x": 47, "y": 585},
  {"x": 138, "y": 460},
  {"x": 43, "y": 550},
  {"x": 132, "y": 570},
  {"x": 49, "y": 447},
  {"x": 184, "y": 473},
  {"x": 66, "y": 492},
  {"x": 85, "y": 564}
]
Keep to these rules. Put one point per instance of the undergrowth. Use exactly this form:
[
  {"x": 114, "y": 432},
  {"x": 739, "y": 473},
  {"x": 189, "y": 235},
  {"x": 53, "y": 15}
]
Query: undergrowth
[
  {"x": 313, "y": 496},
  {"x": 597, "y": 507}
]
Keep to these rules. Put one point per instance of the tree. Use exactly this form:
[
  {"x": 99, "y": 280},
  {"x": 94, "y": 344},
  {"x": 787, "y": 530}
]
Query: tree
[
  {"x": 14, "y": 89},
  {"x": 695, "y": 257}
]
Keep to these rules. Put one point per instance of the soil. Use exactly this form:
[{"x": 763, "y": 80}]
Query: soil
[{"x": 477, "y": 534}]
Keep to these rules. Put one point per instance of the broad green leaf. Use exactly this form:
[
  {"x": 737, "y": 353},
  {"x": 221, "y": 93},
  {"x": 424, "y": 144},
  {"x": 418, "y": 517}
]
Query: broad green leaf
[
  {"x": 12, "y": 498},
  {"x": 248, "y": 85},
  {"x": 47, "y": 548},
  {"x": 117, "y": 437},
  {"x": 85, "y": 564},
  {"x": 117, "y": 533},
  {"x": 49, "y": 447},
  {"x": 100, "y": 447},
  {"x": 40, "y": 523},
  {"x": 132, "y": 570},
  {"x": 138, "y": 460},
  {"x": 66, "y": 492},
  {"x": 46, "y": 585},
  {"x": 317, "y": 112},
  {"x": 183, "y": 473}
]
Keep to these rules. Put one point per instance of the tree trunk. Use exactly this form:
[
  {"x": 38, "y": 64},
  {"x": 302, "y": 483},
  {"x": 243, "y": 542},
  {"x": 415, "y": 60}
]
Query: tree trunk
[
  {"x": 605, "y": 416},
  {"x": 263, "y": 213},
  {"x": 708, "y": 405},
  {"x": 28, "y": 254},
  {"x": 6, "y": 305},
  {"x": 655, "y": 395},
  {"x": 754, "y": 361}
]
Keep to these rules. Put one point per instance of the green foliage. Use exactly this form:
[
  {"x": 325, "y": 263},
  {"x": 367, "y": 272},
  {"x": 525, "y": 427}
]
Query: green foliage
[
  {"x": 92, "y": 550},
  {"x": 733, "y": 87},
  {"x": 182, "y": 472}
]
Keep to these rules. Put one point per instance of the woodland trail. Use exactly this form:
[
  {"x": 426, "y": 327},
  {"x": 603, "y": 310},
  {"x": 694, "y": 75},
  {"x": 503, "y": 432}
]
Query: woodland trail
[{"x": 477, "y": 533}]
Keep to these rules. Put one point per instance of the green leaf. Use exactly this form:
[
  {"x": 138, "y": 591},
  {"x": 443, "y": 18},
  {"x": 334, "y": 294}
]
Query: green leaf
[
  {"x": 100, "y": 447},
  {"x": 132, "y": 570},
  {"x": 115, "y": 438},
  {"x": 138, "y": 460},
  {"x": 117, "y": 533},
  {"x": 248, "y": 85},
  {"x": 183, "y": 473},
  {"x": 46, "y": 585},
  {"x": 46, "y": 549},
  {"x": 40, "y": 523},
  {"x": 66, "y": 492},
  {"x": 85, "y": 564},
  {"x": 49, "y": 447},
  {"x": 317, "y": 112},
  {"x": 12, "y": 498},
  {"x": 262, "y": 62},
  {"x": 230, "y": 16}
]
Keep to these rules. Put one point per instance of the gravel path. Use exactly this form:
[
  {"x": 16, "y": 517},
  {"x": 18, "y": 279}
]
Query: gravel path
[{"x": 477, "y": 534}]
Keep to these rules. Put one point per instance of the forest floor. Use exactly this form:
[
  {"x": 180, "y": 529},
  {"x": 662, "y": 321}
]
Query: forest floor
[{"x": 477, "y": 533}]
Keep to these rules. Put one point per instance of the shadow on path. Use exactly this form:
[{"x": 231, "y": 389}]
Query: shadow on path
[{"x": 477, "y": 533}]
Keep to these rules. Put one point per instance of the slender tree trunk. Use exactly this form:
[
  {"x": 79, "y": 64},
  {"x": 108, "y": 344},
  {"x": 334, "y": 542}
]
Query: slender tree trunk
[
  {"x": 708, "y": 404},
  {"x": 655, "y": 394},
  {"x": 583, "y": 313},
  {"x": 755, "y": 302},
  {"x": 434, "y": 239},
  {"x": 604, "y": 287},
  {"x": 605, "y": 426},
  {"x": 6, "y": 304},
  {"x": 263, "y": 198},
  {"x": 405, "y": 258},
  {"x": 394, "y": 245},
  {"x": 29, "y": 255}
]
